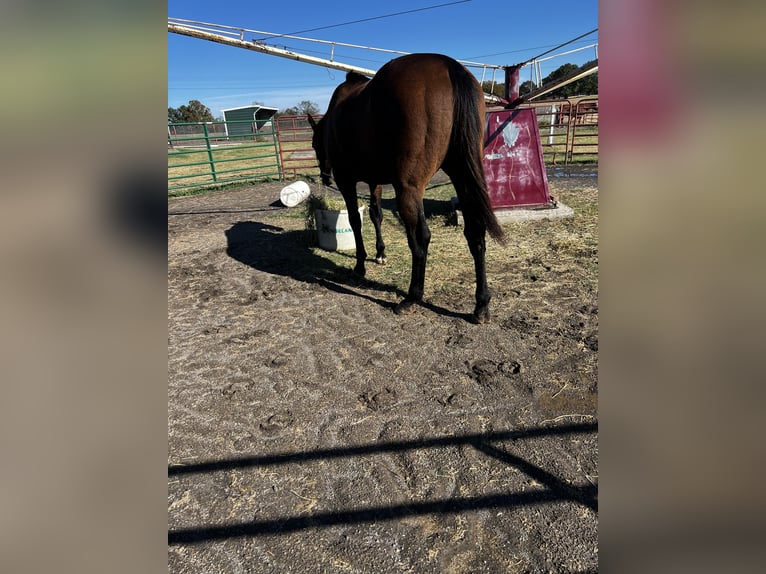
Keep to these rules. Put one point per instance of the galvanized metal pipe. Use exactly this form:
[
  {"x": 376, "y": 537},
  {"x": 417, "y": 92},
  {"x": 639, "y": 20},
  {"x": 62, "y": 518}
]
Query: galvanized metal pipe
[
  {"x": 263, "y": 48},
  {"x": 196, "y": 30}
]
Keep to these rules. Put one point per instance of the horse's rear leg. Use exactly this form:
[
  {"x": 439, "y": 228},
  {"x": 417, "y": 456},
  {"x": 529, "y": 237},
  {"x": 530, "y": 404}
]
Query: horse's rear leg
[
  {"x": 475, "y": 236},
  {"x": 376, "y": 215},
  {"x": 352, "y": 206},
  {"x": 410, "y": 205}
]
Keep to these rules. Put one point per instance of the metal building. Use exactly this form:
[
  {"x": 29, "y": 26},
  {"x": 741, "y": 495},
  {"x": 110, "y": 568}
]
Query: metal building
[{"x": 248, "y": 120}]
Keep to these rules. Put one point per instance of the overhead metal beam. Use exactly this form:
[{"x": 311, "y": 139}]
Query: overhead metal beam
[
  {"x": 263, "y": 48},
  {"x": 202, "y": 31}
]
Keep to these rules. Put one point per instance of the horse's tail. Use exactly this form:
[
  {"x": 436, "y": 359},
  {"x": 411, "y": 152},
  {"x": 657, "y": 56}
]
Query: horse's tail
[{"x": 467, "y": 148}]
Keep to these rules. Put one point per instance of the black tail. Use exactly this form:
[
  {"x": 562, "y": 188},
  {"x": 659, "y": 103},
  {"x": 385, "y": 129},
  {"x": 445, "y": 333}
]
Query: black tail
[{"x": 467, "y": 145}]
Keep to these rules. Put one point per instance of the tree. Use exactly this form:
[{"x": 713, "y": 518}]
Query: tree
[
  {"x": 305, "y": 108},
  {"x": 174, "y": 116},
  {"x": 585, "y": 86},
  {"x": 498, "y": 90},
  {"x": 196, "y": 111},
  {"x": 589, "y": 84},
  {"x": 526, "y": 87}
]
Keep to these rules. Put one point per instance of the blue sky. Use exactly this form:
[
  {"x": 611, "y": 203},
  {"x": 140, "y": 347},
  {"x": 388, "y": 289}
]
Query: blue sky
[{"x": 484, "y": 31}]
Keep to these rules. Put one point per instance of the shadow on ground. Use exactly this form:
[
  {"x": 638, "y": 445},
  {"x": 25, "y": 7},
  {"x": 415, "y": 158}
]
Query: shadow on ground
[
  {"x": 555, "y": 488},
  {"x": 277, "y": 251}
]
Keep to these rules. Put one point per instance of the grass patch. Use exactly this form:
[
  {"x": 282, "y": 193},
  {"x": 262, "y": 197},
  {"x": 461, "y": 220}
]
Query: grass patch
[
  {"x": 190, "y": 168},
  {"x": 193, "y": 168},
  {"x": 573, "y": 144},
  {"x": 217, "y": 187},
  {"x": 536, "y": 251}
]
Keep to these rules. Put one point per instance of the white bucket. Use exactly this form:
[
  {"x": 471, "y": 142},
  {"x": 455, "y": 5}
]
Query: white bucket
[
  {"x": 334, "y": 229},
  {"x": 294, "y": 193}
]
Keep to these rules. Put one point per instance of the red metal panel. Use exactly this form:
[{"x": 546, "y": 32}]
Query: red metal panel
[
  {"x": 512, "y": 84},
  {"x": 294, "y": 136},
  {"x": 513, "y": 160}
]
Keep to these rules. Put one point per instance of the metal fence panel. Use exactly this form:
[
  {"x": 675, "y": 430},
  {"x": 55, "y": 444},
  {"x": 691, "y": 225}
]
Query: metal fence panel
[
  {"x": 209, "y": 155},
  {"x": 294, "y": 134},
  {"x": 568, "y": 130},
  {"x": 206, "y": 155}
]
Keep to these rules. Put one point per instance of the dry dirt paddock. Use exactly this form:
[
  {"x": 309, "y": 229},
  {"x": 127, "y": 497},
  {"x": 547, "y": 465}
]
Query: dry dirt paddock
[{"x": 311, "y": 429}]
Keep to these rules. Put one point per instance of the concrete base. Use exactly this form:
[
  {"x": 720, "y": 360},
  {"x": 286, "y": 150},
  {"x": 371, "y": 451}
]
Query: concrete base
[{"x": 522, "y": 214}]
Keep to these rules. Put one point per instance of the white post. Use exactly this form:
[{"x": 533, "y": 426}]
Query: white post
[{"x": 553, "y": 121}]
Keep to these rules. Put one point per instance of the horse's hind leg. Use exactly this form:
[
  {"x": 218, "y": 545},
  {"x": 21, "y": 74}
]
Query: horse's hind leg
[
  {"x": 352, "y": 206},
  {"x": 410, "y": 205},
  {"x": 475, "y": 235},
  {"x": 376, "y": 215}
]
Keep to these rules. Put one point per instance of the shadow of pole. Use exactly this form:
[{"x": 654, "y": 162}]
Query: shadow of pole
[
  {"x": 389, "y": 447},
  {"x": 556, "y": 489},
  {"x": 583, "y": 495},
  {"x": 374, "y": 514}
]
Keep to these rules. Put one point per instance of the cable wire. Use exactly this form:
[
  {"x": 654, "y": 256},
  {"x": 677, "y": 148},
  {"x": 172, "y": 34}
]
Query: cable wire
[
  {"x": 560, "y": 46},
  {"x": 377, "y": 17}
]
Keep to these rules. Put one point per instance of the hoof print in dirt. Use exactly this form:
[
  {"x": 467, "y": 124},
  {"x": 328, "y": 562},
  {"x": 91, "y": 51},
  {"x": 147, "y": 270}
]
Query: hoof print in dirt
[
  {"x": 459, "y": 400},
  {"x": 278, "y": 361},
  {"x": 232, "y": 389},
  {"x": 276, "y": 423},
  {"x": 591, "y": 342},
  {"x": 512, "y": 367},
  {"x": 489, "y": 373},
  {"x": 521, "y": 322},
  {"x": 588, "y": 309},
  {"x": 459, "y": 340},
  {"x": 378, "y": 400}
]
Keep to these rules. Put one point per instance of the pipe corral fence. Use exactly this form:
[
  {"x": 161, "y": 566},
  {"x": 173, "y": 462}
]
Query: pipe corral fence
[
  {"x": 568, "y": 130},
  {"x": 210, "y": 155}
]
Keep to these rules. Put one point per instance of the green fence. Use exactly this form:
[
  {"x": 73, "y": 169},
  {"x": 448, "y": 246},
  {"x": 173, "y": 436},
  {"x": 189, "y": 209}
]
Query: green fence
[{"x": 207, "y": 155}]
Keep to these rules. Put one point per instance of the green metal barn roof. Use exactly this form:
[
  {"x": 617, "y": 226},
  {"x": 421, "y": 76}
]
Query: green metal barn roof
[{"x": 259, "y": 114}]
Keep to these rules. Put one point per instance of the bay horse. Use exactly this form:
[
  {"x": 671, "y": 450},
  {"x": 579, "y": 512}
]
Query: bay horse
[{"x": 419, "y": 113}]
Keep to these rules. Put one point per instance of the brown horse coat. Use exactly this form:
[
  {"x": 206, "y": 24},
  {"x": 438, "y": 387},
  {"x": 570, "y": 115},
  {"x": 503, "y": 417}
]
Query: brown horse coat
[{"x": 419, "y": 113}]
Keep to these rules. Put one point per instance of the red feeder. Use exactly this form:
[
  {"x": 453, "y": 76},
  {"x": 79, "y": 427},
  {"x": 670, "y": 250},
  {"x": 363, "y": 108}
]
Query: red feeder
[{"x": 513, "y": 155}]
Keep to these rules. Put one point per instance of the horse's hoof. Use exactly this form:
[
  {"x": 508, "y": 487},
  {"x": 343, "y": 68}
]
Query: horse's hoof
[
  {"x": 360, "y": 271},
  {"x": 405, "y": 307},
  {"x": 480, "y": 317},
  {"x": 381, "y": 260}
]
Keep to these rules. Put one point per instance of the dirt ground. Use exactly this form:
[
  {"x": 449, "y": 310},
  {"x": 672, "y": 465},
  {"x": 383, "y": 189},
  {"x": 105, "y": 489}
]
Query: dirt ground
[{"x": 311, "y": 429}]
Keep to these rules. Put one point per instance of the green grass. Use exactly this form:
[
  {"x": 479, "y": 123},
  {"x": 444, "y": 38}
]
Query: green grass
[
  {"x": 252, "y": 161},
  {"x": 583, "y": 145},
  {"x": 564, "y": 246},
  {"x": 238, "y": 164},
  {"x": 244, "y": 162}
]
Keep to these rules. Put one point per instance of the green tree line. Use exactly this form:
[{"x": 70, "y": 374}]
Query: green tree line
[{"x": 195, "y": 111}]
